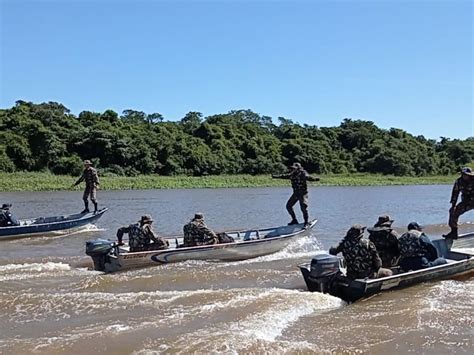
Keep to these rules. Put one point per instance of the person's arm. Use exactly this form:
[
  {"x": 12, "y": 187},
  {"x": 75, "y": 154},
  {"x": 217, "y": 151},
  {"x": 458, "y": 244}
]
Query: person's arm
[
  {"x": 393, "y": 237},
  {"x": 432, "y": 252},
  {"x": 376, "y": 261},
  {"x": 120, "y": 233},
  {"x": 455, "y": 194},
  {"x": 281, "y": 176},
  {"x": 155, "y": 237},
  {"x": 311, "y": 178},
  {"x": 81, "y": 179},
  {"x": 95, "y": 176},
  {"x": 334, "y": 250},
  {"x": 208, "y": 232}
]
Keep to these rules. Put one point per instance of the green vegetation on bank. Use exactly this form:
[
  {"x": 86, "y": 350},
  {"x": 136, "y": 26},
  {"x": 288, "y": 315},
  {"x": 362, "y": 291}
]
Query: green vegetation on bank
[
  {"x": 48, "y": 137},
  {"x": 49, "y": 182}
]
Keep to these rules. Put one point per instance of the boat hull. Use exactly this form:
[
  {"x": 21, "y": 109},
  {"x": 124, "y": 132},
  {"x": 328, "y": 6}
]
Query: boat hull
[
  {"x": 46, "y": 226},
  {"x": 459, "y": 264},
  {"x": 241, "y": 249}
]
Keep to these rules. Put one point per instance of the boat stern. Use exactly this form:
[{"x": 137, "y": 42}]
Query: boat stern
[
  {"x": 103, "y": 254},
  {"x": 320, "y": 272}
]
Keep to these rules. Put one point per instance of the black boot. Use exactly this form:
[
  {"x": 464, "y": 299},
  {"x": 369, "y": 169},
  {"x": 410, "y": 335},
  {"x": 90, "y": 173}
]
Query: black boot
[
  {"x": 86, "y": 207},
  {"x": 306, "y": 218},
  {"x": 95, "y": 206},
  {"x": 293, "y": 221},
  {"x": 451, "y": 235}
]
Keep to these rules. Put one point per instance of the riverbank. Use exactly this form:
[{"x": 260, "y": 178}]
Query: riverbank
[{"x": 22, "y": 181}]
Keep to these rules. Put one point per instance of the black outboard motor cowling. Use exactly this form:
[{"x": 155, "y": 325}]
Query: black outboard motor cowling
[
  {"x": 100, "y": 250},
  {"x": 324, "y": 269}
]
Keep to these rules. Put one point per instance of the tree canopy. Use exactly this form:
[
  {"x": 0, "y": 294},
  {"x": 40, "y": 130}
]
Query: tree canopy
[{"x": 47, "y": 136}]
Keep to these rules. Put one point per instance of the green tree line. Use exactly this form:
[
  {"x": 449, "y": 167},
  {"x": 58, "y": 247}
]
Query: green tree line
[{"x": 48, "y": 137}]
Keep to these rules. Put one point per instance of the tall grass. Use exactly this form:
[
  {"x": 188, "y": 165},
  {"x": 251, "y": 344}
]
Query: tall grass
[{"x": 27, "y": 181}]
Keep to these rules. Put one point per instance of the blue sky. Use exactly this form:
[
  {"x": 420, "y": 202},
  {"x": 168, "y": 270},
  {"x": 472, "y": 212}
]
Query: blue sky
[{"x": 405, "y": 64}]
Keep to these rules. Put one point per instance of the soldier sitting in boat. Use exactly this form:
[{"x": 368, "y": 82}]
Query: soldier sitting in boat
[
  {"x": 197, "y": 233},
  {"x": 464, "y": 185},
  {"x": 140, "y": 236},
  {"x": 416, "y": 250},
  {"x": 385, "y": 240},
  {"x": 360, "y": 255},
  {"x": 7, "y": 219}
]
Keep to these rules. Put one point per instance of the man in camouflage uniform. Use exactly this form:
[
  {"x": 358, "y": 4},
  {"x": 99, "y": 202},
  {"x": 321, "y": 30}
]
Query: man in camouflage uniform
[
  {"x": 89, "y": 175},
  {"x": 197, "y": 233},
  {"x": 299, "y": 178},
  {"x": 362, "y": 259},
  {"x": 465, "y": 186},
  {"x": 140, "y": 236},
  {"x": 416, "y": 250},
  {"x": 7, "y": 219},
  {"x": 385, "y": 240}
]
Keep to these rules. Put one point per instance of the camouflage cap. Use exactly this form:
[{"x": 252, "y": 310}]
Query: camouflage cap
[
  {"x": 414, "y": 225},
  {"x": 198, "y": 215},
  {"x": 384, "y": 221},
  {"x": 467, "y": 171},
  {"x": 146, "y": 219},
  {"x": 296, "y": 166},
  {"x": 87, "y": 162},
  {"x": 356, "y": 230},
  {"x": 6, "y": 206}
]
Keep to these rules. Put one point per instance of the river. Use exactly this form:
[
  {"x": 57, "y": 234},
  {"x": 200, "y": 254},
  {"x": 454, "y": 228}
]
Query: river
[{"x": 51, "y": 303}]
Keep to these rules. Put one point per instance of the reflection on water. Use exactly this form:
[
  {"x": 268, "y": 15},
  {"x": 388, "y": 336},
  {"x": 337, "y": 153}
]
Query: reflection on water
[{"x": 50, "y": 303}]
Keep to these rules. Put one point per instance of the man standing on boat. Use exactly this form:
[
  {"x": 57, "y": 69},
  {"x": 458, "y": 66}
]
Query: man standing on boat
[
  {"x": 299, "y": 182},
  {"x": 464, "y": 185},
  {"x": 197, "y": 233},
  {"x": 416, "y": 250},
  {"x": 385, "y": 240},
  {"x": 360, "y": 255},
  {"x": 89, "y": 175},
  {"x": 140, "y": 236}
]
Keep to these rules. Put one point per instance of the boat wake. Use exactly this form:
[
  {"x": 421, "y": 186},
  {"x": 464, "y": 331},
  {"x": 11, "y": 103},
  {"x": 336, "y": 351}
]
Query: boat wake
[
  {"x": 55, "y": 235},
  {"x": 216, "y": 320},
  {"x": 17, "y": 272},
  {"x": 301, "y": 248},
  {"x": 256, "y": 331}
]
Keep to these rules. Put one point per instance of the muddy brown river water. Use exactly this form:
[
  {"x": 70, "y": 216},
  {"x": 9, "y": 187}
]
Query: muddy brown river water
[{"x": 51, "y": 303}]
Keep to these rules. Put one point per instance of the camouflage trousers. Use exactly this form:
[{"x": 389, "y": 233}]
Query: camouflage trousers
[
  {"x": 460, "y": 209},
  {"x": 90, "y": 191},
  {"x": 302, "y": 198}
]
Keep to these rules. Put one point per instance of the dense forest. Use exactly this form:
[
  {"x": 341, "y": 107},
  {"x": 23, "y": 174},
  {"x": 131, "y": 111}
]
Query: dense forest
[{"x": 47, "y": 137}]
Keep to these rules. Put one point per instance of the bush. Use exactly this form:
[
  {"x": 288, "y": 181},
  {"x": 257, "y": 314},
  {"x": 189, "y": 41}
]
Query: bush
[{"x": 67, "y": 166}]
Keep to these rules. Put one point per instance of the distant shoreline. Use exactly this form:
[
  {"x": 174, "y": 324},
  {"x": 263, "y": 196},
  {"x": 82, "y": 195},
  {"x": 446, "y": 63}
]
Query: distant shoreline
[{"x": 28, "y": 181}]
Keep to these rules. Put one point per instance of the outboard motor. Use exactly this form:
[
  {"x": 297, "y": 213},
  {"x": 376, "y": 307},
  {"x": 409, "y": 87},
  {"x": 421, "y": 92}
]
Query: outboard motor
[
  {"x": 100, "y": 250},
  {"x": 324, "y": 269}
]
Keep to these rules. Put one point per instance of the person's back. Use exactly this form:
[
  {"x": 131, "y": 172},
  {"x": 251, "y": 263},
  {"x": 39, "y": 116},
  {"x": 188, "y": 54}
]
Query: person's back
[
  {"x": 140, "y": 236},
  {"x": 138, "y": 240},
  {"x": 360, "y": 255},
  {"x": 197, "y": 233},
  {"x": 7, "y": 219},
  {"x": 416, "y": 250},
  {"x": 385, "y": 240}
]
